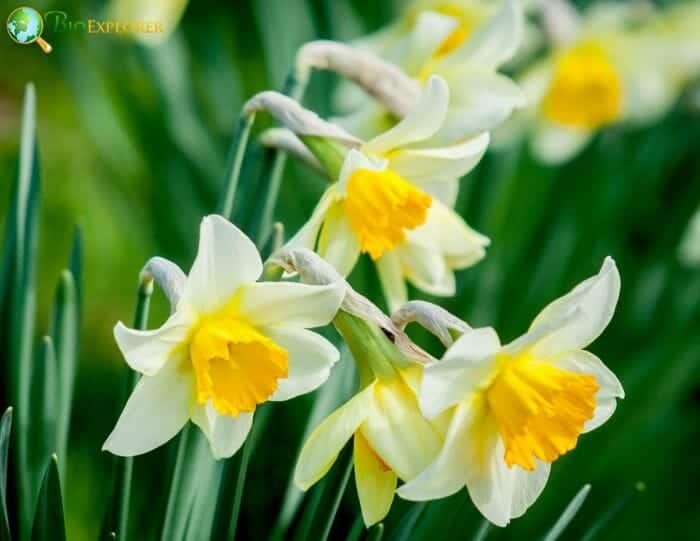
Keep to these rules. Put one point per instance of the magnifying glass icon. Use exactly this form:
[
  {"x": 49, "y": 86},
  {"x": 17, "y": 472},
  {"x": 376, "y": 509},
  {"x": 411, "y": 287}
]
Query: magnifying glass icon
[{"x": 25, "y": 26}]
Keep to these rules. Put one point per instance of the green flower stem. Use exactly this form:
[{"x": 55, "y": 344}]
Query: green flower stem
[
  {"x": 338, "y": 498},
  {"x": 294, "y": 87},
  {"x": 234, "y": 165},
  {"x": 568, "y": 515},
  {"x": 143, "y": 302}
]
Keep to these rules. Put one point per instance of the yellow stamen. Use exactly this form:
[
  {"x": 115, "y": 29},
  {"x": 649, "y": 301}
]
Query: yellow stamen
[
  {"x": 539, "y": 409},
  {"x": 586, "y": 91},
  {"x": 235, "y": 366},
  {"x": 380, "y": 206},
  {"x": 458, "y": 36}
]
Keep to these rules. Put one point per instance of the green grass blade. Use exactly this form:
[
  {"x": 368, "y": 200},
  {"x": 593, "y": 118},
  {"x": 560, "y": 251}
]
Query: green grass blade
[
  {"x": 408, "y": 522},
  {"x": 356, "y": 531},
  {"x": 233, "y": 167},
  {"x": 23, "y": 301},
  {"x": 376, "y": 533},
  {"x": 64, "y": 332},
  {"x": 49, "y": 524},
  {"x": 5, "y": 430},
  {"x": 340, "y": 491},
  {"x": 568, "y": 515},
  {"x": 483, "y": 531}
]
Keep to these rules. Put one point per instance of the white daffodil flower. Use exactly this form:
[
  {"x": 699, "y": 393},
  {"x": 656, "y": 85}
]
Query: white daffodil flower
[
  {"x": 391, "y": 438},
  {"x": 518, "y": 407},
  {"x": 230, "y": 344},
  {"x": 464, "y": 43},
  {"x": 603, "y": 69},
  {"x": 392, "y": 199}
]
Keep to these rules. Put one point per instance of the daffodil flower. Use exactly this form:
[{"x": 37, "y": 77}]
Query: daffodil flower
[
  {"x": 231, "y": 344},
  {"x": 463, "y": 42},
  {"x": 391, "y": 199},
  {"x": 518, "y": 407},
  {"x": 391, "y": 438},
  {"x": 601, "y": 70}
]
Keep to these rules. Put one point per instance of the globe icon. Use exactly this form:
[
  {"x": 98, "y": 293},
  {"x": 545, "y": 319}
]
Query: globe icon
[{"x": 25, "y": 25}]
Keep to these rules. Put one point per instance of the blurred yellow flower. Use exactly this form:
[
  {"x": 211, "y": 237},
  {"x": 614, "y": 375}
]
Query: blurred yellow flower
[
  {"x": 518, "y": 407},
  {"x": 231, "y": 344}
]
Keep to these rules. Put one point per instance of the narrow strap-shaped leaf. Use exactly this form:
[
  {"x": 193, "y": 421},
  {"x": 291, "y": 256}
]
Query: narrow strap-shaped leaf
[
  {"x": 64, "y": 331},
  {"x": 482, "y": 531},
  {"x": 376, "y": 533},
  {"x": 406, "y": 527},
  {"x": 49, "y": 524},
  {"x": 23, "y": 301},
  {"x": 5, "y": 429},
  {"x": 42, "y": 422},
  {"x": 613, "y": 511},
  {"x": 356, "y": 531},
  {"x": 568, "y": 515},
  {"x": 340, "y": 490}
]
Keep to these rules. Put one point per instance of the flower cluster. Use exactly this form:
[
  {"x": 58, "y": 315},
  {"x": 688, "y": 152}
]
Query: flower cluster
[{"x": 418, "y": 104}]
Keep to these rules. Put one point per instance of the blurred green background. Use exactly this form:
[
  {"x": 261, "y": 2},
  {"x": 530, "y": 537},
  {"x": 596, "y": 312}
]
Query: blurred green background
[{"x": 133, "y": 142}]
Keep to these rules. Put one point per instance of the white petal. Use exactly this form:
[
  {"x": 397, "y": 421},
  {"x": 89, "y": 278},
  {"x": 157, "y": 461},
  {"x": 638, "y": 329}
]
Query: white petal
[
  {"x": 157, "y": 409},
  {"x": 355, "y": 160},
  {"x": 583, "y": 362},
  {"x": 447, "y": 473},
  {"x": 461, "y": 371},
  {"x": 496, "y": 42},
  {"x": 147, "y": 351},
  {"x": 592, "y": 304},
  {"x": 338, "y": 243},
  {"x": 327, "y": 440},
  {"x": 310, "y": 360},
  {"x": 445, "y": 231},
  {"x": 430, "y": 30},
  {"x": 307, "y": 235},
  {"x": 554, "y": 144},
  {"x": 426, "y": 269},
  {"x": 225, "y": 260},
  {"x": 402, "y": 437},
  {"x": 392, "y": 280},
  {"x": 448, "y": 163},
  {"x": 421, "y": 123},
  {"x": 290, "y": 303},
  {"x": 226, "y": 434},
  {"x": 375, "y": 484},
  {"x": 501, "y": 493}
]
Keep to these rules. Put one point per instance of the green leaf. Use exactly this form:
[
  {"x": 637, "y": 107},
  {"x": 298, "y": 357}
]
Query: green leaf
[
  {"x": 483, "y": 531},
  {"x": 406, "y": 527},
  {"x": 376, "y": 533},
  {"x": 568, "y": 515},
  {"x": 64, "y": 331},
  {"x": 49, "y": 524},
  {"x": 22, "y": 291},
  {"x": 339, "y": 491},
  {"x": 5, "y": 429}
]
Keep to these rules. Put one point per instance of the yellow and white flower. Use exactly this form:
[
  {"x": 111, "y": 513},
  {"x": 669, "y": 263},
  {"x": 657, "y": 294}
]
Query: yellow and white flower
[
  {"x": 463, "y": 42},
  {"x": 602, "y": 70},
  {"x": 391, "y": 438},
  {"x": 518, "y": 407},
  {"x": 230, "y": 344},
  {"x": 391, "y": 199}
]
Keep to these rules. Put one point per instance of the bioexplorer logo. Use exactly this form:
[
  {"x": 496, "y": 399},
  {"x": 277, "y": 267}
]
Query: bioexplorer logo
[{"x": 25, "y": 26}]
